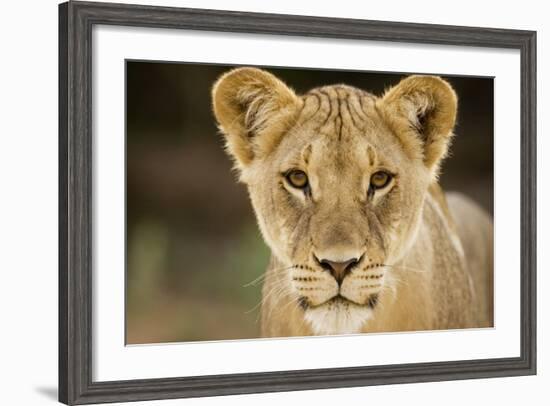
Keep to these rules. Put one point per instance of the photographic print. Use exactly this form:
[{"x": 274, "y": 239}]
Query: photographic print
[
  {"x": 282, "y": 202},
  {"x": 255, "y": 202}
]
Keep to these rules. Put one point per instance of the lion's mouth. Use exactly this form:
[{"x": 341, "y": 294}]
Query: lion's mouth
[
  {"x": 338, "y": 315},
  {"x": 340, "y": 300}
]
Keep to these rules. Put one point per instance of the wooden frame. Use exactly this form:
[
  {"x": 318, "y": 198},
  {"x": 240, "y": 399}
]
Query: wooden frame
[{"x": 76, "y": 20}]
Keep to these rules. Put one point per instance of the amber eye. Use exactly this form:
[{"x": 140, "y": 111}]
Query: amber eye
[
  {"x": 380, "y": 179},
  {"x": 297, "y": 178}
]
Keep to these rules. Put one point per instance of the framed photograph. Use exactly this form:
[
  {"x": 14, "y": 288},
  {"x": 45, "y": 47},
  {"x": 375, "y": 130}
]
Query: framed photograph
[{"x": 257, "y": 202}]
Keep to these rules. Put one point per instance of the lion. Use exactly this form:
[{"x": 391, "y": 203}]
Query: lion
[{"x": 344, "y": 186}]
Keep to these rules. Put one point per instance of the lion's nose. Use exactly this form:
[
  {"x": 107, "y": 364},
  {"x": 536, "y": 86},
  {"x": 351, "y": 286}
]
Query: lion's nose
[{"x": 338, "y": 270}]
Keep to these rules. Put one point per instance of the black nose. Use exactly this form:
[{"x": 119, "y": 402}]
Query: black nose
[{"x": 338, "y": 269}]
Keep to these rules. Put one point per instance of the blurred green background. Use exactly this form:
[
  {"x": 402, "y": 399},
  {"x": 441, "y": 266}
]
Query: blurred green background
[{"x": 192, "y": 240}]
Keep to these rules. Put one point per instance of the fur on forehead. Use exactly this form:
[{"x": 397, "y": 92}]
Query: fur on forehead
[{"x": 255, "y": 111}]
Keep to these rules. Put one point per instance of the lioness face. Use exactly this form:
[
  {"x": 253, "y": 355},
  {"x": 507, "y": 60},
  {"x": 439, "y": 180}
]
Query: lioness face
[{"x": 337, "y": 180}]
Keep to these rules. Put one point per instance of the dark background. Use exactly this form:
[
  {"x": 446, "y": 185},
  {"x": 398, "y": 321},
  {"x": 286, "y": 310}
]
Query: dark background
[{"x": 192, "y": 240}]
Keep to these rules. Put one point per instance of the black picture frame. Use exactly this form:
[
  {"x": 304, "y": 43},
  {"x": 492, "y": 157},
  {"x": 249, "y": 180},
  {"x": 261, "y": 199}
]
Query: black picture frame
[{"x": 76, "y": 20}]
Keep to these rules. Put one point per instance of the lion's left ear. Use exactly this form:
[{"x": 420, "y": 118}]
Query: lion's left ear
[
  {"x": 427, "y": 106},
  {"x": 253, "y": 109}
]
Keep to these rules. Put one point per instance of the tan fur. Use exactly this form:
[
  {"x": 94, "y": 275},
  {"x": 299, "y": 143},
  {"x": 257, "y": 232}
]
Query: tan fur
[{"x": 423, "y": 264}]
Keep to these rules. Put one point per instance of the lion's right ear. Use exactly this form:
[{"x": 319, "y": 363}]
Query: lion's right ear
[
  {"x": 253, "y": 109},
  {"x": 425, "y": 106}
]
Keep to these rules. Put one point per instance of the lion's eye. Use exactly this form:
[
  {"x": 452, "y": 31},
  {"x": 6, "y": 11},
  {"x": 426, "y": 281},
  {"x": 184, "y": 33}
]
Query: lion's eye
[
  {"x": 380, "y": 179},
  {"x": 297, "y": 178}
]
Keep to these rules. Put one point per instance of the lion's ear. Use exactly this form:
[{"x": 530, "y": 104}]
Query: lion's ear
[
  {"x": 427, "y": 107},
  {"x": 252, "y": 108}
]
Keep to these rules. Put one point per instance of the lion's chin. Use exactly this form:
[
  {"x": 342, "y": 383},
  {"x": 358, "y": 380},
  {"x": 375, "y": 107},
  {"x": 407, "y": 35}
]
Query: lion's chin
[{"x": 338, "y": 316}]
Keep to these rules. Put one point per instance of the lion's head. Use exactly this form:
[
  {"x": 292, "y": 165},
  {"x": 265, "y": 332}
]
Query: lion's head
[{"x": 337, "y": 178}]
